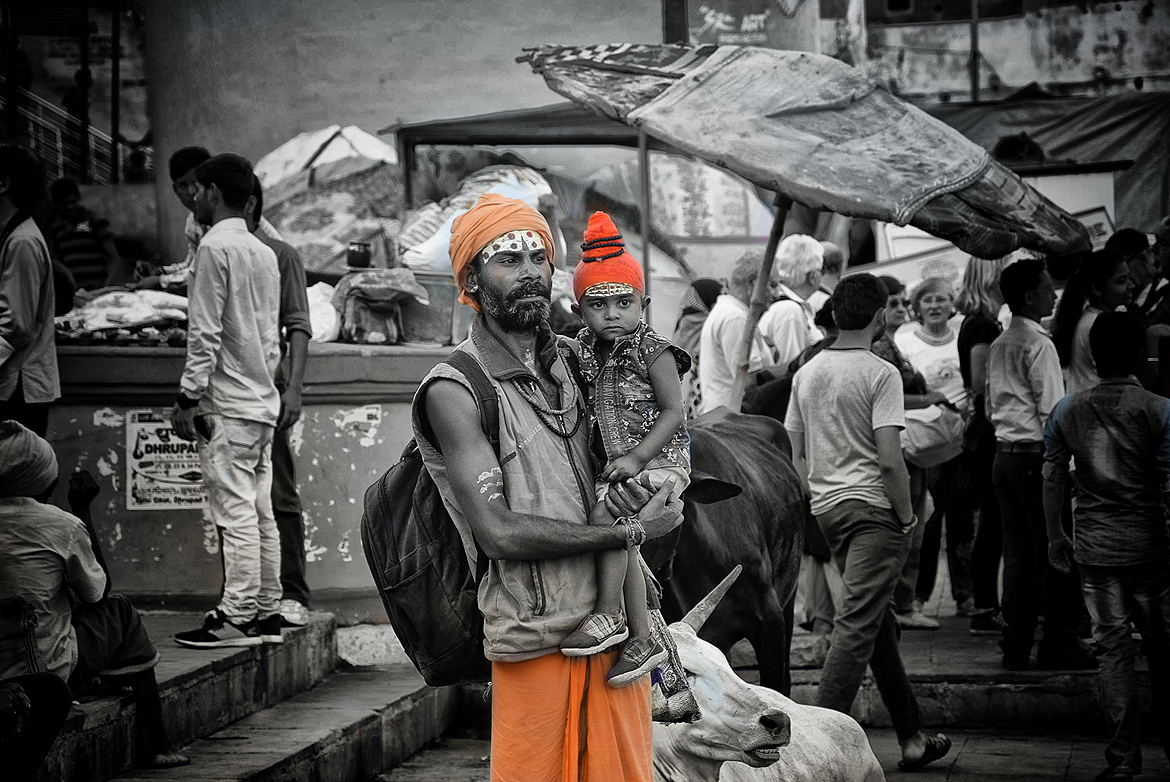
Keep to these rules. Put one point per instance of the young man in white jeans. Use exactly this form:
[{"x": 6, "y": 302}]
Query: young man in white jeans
[{"x": 228, "y": 401}]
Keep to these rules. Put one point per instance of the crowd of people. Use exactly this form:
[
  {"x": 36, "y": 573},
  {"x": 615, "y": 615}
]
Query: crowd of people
[
  {"x": 1031, "y": 427},
  {"x": 240, "y": 392},
  {"x": 897, "y": 399}
]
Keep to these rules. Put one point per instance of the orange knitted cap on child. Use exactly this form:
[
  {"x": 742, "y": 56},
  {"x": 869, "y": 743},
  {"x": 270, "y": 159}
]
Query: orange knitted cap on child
[{"x": 605, "y": 260}]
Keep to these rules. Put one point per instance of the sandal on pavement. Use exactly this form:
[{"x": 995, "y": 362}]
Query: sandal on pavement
[
  {"x": 1115, "y": 774},
  {"x": 596, "y": 633},
  {"x": 936, "y": 747},
  {"x": 639, "y": 657}
]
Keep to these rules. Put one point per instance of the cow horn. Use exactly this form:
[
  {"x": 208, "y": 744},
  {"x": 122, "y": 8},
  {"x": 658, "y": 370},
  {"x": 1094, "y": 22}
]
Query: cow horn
[{"x": 702, "y": 611}]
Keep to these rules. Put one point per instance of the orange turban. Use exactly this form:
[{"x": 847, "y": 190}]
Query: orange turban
[
  {"x": 492, "y": 216},
  {"x": 605, "y": 259}
]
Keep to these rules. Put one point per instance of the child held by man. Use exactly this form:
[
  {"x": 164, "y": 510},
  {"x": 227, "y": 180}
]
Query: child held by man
[{"x": 632, "y": 379}]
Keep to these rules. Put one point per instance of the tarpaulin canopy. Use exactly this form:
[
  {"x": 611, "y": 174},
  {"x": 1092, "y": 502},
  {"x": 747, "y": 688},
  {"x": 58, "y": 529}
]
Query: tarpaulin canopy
[
  {"x": 1132, "y": 126},
  {"x": 817, "y": 131},
  {"x": 317, "y": 148}
]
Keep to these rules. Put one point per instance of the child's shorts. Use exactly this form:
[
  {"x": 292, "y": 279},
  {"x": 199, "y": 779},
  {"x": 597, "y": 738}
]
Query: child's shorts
[{"x": 653, "y": 479}]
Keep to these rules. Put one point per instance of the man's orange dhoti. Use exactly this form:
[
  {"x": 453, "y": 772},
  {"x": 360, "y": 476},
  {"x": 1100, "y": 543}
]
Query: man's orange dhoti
[{"x": 554, "y": 719}]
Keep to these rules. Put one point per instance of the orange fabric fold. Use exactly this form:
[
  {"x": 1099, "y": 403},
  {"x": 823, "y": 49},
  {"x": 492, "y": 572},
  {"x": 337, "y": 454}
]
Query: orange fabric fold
[
  {"x": 554, "y": 719},
  {"x": 493, "y": 215}
]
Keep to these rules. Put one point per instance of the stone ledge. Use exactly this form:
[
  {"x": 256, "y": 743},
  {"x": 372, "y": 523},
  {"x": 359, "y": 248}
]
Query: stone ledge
[
  {"x": 201, "y": 691},
  {"x": 357, "y": 723}
]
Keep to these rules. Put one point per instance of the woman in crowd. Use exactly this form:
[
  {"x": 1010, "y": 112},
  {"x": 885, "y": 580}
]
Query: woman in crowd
[
  {"x": 696, "y": 306},
  {"x": 1101, "y": 284},
  {"x": 916, "y": 396},
  {"x": 932, "y": 347},
  {"x": 980, "y": 301}
]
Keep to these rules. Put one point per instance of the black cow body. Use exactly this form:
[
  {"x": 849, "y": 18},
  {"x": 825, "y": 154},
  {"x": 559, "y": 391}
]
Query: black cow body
[{"x": 761, "y": 529}]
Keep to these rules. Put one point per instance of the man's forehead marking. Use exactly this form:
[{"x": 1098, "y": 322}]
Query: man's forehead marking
[{"x": 521, "y": 240}]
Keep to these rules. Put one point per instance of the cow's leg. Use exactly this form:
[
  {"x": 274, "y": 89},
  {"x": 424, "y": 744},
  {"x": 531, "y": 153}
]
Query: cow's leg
[{"x": 773, "y": 643}]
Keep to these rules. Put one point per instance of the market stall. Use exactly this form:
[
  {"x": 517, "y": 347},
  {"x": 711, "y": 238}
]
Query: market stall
[{"x": 121, "y": 354}]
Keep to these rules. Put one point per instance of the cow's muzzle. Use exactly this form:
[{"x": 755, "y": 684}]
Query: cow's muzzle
[{"x": 778, "y": 727}]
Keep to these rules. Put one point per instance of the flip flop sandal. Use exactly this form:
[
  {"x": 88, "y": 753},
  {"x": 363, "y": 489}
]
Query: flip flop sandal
[{"x": 936, "y": 747}]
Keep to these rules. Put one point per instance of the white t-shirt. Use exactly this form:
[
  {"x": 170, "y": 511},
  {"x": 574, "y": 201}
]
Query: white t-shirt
[
  {"x": 719, "y": 345},
  {"x": 939, "y": 364},
  {"x": 839, "y": 399},
  {"x": 789, "y": 327}
]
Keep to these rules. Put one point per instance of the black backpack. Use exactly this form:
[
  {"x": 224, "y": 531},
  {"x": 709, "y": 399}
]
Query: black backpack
[{"x": 418, "y": 560}]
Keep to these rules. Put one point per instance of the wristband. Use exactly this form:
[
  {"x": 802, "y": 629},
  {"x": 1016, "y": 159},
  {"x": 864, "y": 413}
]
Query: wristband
[
  {"x": 635, "y": 532},
  {"x": 185, "y": 402}
]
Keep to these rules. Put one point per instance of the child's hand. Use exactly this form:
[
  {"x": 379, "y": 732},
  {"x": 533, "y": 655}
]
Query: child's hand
[{"x": 622, "y": 468}]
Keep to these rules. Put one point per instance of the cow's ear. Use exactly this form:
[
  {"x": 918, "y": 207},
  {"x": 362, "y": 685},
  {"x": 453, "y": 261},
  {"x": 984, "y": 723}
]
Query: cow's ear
[{"x": 706, "y": 488}]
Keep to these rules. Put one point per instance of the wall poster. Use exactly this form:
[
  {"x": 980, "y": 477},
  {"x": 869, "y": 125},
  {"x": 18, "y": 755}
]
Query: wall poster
[{"x": 162, "y": 471}]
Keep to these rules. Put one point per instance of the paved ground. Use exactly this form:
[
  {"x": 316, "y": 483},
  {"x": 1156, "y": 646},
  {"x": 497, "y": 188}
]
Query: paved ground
[
  {"x": 977, "y": 757},
  {"x": 948, "y": 654}
]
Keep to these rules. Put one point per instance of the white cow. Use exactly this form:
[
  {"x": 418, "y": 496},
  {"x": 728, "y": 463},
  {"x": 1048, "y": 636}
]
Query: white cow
[{"x": 754, "y": 733}]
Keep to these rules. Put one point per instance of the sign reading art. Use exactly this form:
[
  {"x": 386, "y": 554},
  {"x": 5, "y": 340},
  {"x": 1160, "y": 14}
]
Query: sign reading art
[
  {"x": 162, "y": 471},
  {"x": 742, "y": 22}
]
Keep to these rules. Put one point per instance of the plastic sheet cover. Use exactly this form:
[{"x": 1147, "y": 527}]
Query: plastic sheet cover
[{"x": 818, "y": 131}]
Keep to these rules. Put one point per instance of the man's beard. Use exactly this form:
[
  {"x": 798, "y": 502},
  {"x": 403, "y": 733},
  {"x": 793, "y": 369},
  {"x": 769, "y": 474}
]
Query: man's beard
[{"x": 510, "y": 312}]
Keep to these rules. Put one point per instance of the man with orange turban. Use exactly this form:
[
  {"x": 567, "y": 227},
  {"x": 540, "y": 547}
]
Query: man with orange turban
[{"x": 527, "y": 507}]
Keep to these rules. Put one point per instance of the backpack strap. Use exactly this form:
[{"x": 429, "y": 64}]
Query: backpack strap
[
  {"x": 489, "y": 420},
  {"x": 485, "y": 394}
]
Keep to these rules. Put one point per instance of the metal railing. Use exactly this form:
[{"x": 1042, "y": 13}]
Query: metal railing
[{"x": 59, "y": 140}]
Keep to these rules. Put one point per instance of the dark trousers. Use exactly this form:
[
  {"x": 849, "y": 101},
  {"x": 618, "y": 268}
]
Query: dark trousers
[
  {"x": 34, "y": 415},
  {"x": 1117, "y": 596},
  {"x": 951, "y": 492},
  {"x": 49, "y": 698},
  {"x": 290, "y": 522},
  {"x": 988, "y": 549},
  {"x": 869, "y": 549},
  {"x": 1030, "y": 585},
  {"x": 110, "y": 635}
]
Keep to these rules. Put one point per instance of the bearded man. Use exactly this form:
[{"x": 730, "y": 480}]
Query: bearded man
[{"x": 528, "y": 508}]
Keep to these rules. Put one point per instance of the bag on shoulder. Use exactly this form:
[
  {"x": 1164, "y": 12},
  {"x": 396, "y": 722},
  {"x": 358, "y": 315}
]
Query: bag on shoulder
[
  {"x": 418, "y": 561},
  {"x": 933, "y": 436}
]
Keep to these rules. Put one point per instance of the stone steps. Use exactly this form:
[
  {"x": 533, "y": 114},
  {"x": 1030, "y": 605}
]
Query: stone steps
[
  {"x": 960, "y": 682},
  {"x": 201, "y": 690},
  {"x": 355, "y": 724}
]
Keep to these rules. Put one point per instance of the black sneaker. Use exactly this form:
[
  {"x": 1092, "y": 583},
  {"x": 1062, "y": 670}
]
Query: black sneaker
[
  {"x": 987, "y": 623},
  {"x": 269, "y": 628},
  {"x": 218, "y": 631}
]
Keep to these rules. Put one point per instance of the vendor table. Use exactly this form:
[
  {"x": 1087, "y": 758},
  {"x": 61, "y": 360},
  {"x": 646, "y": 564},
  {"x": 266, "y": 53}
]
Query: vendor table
[{"x": 163, "y": 551}]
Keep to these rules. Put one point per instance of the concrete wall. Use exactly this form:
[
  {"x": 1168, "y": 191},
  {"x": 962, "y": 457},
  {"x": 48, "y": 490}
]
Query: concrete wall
[
  {"x": 355, "y": 424},
  {"x": 245, "y": 77},
  {"x": 131, "y": 209}
]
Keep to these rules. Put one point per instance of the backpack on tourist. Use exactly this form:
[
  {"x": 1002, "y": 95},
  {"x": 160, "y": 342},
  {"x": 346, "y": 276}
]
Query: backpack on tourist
[{"x": 418, "y": 561}]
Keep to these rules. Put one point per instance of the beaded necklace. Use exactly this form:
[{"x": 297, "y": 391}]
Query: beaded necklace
[{"x": 544, "y": 411}]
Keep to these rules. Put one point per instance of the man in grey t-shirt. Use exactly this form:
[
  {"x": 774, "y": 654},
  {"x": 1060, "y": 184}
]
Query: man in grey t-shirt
[{"x": 845, "y": 418}]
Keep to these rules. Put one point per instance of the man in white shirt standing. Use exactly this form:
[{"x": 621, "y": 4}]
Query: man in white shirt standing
[
  {"x": 1024, "y": 383},
  {"x": 228, "y": 401},
  {"x": 788, "y": 325},
  {"x": 722, "y": 337}
]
